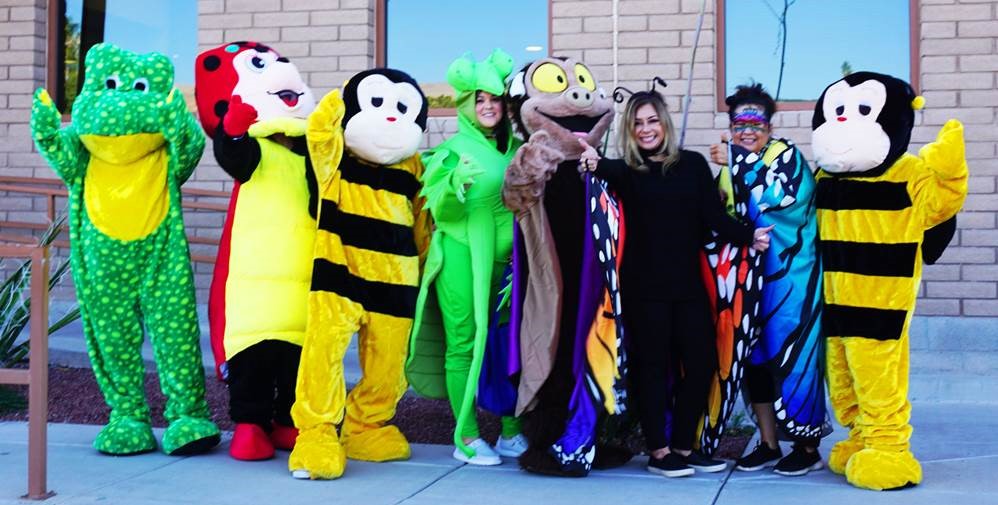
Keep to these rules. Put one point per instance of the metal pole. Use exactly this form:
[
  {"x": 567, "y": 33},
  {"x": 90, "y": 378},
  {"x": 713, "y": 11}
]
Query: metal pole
[
  {"x": 39, "y": 384},
  {"x": 689, "y": 78}
]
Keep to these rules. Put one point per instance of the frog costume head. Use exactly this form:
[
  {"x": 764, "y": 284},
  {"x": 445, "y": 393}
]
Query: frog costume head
[
  {"x": 117, "y": 113},
  {"x": 468, "y": 77}
]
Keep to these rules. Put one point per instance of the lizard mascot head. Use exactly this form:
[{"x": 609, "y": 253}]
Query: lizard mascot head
[
  {"x": 561, "y": 97},
  {"x": 384, "y": 117},
  {"x": 862, "y": 124},
  {"x": 268, "y": 82}
]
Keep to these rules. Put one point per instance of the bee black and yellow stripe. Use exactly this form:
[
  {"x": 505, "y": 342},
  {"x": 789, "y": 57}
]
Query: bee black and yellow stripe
[
  {"x": 366, "y": 247},
  {"x": 871, "y": 233}
]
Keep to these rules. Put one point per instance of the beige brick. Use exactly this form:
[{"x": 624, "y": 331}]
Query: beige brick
[
  {"x": 632, "y": 23},
  {"x": 340, "y": 17},
  {"x": 566, "y": 25},
  {"x": 210, "y": 21},
  {"x": 981, "y": 255},
  {"x": 648, "y": 6},
  {"x": 265, "y": 35},
  {"x": 563, "y": 9},
  {"x": 980, "y": 307},
  {"x": 980, "y": 272},
  {"x": 942, "y": 273},
  {"x": 309, "y": 33},
  {"x": 280, "y": 19},
  {"x": 26, "y": 14},
  {"x": 978, "y": 28},
  {"x": 211, "y": 6},
  {"x": 252, "y": 5},
  {"x": 962, "y": 80},
  {"x": 337, "y": 48},
  {"x": 355, "y": 32},
  {"x": 957, "y": 46},
  {"x": 964, "y": 289},
  {"x": 580, "y": 41},
  {"x": 355, "y": 63},
  {"x": 972, "y": 220},
  {"x": 937, "y": 99},
  {"x": 937, "y": 307},
  {"x": 944, "y": 29},
  {"x": 956, "y": 12},
  {"x": 977, "y": 63},
  {"x": 310, "y": 5},
  {"x": 679, "y": 22},
  {"x": 357, "y": 4},
  {"x": 598, "y": 24},
  {"x": 978, "y": 237},
  {"x": 939, "y": 64},
  {"x": 632, "y": 55}
]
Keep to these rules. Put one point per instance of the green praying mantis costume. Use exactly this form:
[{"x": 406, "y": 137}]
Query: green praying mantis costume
[
  {"x": 131, "y": 144},
  {"x": 471, "y": 246}
]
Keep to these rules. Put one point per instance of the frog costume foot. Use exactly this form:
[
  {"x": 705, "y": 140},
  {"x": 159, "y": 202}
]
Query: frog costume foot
[
  {"x": 125, "y": 436},
  {"x": 317, "y": 455},
  {"x": 386, "y": 443},
  {"x": 189, "y": 435}
]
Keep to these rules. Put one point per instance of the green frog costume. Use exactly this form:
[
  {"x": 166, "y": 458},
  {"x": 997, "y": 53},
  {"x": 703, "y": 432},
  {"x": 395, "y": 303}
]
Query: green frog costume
[
  {"x": 130, "y": 145},
  {"x": 469, "y": 250}
]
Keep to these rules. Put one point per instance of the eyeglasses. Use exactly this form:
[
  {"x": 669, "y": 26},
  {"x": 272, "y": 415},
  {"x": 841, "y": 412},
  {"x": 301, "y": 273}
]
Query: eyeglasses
[{"x": 749, "y": 127}]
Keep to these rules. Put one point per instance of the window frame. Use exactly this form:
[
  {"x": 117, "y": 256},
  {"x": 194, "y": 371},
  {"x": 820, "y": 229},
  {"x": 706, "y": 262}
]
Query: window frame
[
  {"x": 720, "y": 83},
  {"x": 381, "y": 47}
]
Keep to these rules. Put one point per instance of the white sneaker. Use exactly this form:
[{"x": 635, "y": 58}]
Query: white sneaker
[
  {"x": 512, "y": 447},
  {"x": 484, "y": 455}
]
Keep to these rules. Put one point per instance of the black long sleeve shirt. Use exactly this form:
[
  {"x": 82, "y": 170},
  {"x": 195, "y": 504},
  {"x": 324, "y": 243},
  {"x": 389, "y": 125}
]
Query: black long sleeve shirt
[{"x": 668, "y": 218}]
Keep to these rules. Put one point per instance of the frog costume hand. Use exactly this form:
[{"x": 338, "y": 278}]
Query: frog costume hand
[
  {"x": 130, "y": 146},
  {"x": 470, "y": 247}
]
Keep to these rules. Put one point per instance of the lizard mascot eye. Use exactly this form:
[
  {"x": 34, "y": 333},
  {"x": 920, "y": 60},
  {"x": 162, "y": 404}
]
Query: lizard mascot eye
[{"x": 585, "y": 77}]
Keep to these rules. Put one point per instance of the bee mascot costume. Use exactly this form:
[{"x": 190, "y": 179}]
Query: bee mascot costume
[
  {"x": 369, "y": 249},
  {"x": 875, "y": 202},
  {"x": 568, "y": 242},
  {"x": 253, "y": 103}
]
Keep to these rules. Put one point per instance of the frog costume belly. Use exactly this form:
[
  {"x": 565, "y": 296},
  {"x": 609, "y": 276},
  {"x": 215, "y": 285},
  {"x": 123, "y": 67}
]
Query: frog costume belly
[
  {"x": 470, "y": 248},
  {"x": 130, "y": 146}
]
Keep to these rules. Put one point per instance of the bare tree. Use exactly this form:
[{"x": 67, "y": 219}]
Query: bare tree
[{"x": 781, "y": 18}]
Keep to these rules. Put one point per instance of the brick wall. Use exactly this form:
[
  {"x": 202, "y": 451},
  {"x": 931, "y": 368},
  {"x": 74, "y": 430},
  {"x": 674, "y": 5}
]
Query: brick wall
[
  {"x": 22, "y": 70},
  {"x": 959, "y": 63}
]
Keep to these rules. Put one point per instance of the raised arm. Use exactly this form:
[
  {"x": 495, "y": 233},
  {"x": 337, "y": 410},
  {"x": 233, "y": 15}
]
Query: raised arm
[
  {"x": 182, "y": 131},
  {"x": 712, "y": 210},
  {"x": 325, "y": 138},
  {"x": 61, "y": 147},
  {"x": 942, "y": 188},
  {"x": 236, "y": 152}
]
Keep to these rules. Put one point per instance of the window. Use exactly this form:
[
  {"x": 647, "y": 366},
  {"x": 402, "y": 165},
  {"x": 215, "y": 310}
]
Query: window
[
  {"x": 165, "y": 26},
  {"x": 423, "y": 38},
  {"x": 824, "y": 41}
]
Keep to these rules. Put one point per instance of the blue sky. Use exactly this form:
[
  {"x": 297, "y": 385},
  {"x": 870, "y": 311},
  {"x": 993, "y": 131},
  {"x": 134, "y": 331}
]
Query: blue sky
[
  {"x": 869, "y": 34},
  {"x": 425, "y": 36},
  {"x": 166, "y": 26}
]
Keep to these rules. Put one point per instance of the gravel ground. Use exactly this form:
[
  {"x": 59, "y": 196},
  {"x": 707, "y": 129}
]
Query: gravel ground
[{"x": 75, "y": 398}]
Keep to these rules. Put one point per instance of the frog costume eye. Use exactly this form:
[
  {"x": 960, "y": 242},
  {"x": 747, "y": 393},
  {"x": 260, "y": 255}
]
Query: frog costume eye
[
  {"x": 549, "y": 78},
  {"x": 113, "y": 82},
  {"x": 141, "y": 84}
]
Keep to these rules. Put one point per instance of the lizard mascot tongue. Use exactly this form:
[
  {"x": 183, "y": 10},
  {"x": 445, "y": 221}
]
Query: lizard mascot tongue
[
  {"x": 130, "y": 146},
  {"x": 567, "y": 315}
]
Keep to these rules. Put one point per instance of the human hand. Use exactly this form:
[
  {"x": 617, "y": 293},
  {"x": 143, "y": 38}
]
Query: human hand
[
  {"x": 590, "y": 157},
  {"x": 760, "y": 238},
  {"x": 238, "y": 117},
  {"x": 719, "y": 152}
]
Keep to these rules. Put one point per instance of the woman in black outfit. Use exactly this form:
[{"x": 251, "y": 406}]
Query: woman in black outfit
[{"x": 672, "y": 204}]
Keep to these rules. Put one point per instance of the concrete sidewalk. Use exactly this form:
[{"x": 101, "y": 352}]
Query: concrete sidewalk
[{"x": 957, "y": 444}]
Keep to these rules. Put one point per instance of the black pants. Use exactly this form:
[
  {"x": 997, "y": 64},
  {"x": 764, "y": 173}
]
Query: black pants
[
  {"x": 664, "y": 338},
  {"x": 761, "y": 388},
  {"x": 262, "y": 381}
]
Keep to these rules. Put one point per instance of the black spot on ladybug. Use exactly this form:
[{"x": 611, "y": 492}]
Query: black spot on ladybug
[
  {"x": 260, "y": 48},
  {"x": 221, "y": 107},
  {"x": 212, "y": 63},
  {"x": 283, "y": 60},
  {"x": 241, "y": 43}
]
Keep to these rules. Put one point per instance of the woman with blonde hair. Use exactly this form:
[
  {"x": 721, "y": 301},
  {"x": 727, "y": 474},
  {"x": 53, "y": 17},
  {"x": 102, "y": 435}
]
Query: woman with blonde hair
[{"x": 671, "y": 204}]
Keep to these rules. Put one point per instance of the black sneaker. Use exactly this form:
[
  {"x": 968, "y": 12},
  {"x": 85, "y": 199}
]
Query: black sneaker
[
  {"x": 799, "y": 462},
  {"x": 760, "y": 457},
  {"x": 672, "y": 465},
  {"x": 704, "y": 464}
]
